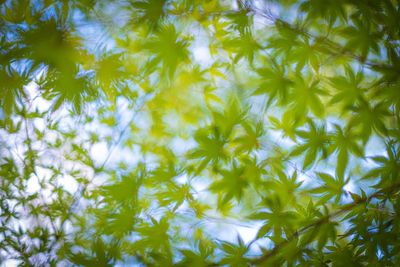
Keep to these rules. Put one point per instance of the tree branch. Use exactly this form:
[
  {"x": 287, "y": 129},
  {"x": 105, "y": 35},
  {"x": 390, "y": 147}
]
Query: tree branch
[{"x": 344, "y": 208}]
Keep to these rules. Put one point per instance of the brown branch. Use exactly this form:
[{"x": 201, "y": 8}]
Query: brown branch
[
  {"x": 334, "y": 48},
  {"x": 317, "y": 223},
  {"x": 382, "y": 211}
]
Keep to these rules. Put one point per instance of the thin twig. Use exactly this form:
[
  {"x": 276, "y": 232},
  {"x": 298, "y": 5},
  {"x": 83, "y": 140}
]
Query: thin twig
[{"x": 343, "y": 209}]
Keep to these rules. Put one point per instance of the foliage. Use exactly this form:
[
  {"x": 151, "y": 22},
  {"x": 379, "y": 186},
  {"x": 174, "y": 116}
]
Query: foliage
[{"x": 152, "y": 132}]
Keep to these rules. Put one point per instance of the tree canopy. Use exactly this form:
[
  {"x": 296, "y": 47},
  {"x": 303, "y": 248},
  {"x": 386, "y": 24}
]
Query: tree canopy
[{"x": 200, "y": 133}]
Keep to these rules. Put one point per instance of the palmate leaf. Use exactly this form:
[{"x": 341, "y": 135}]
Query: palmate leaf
[
  {"x": 343, "y": 255},
  {"x": 243, "y": 46},
  {"x": 154, "y": 236},
  {"x": 148, "y": 13},
  {"x": 345, "y": 141},
  {"x": 125, "y": 190},
  {"x": 287, "y": 125},
  {"x": 322, "y": 234},
  {"x": 389, "y": 92},
  {"x": 284, "y": 41},
  {"x": 250, "y": 140},
  {"x": 305, "y": 96},
  {"x": 303, "y": 54},
  {"x": 329, "y": 10},
  {"x": 103, "y": 254},
  {"x": 241, "y": 20},
  {"x": 175, "y": 195},
  {"x": 234, "y": 113},
  {"x": 50, "y": 42},
  {"x": 370, "y": 117},
  {"x": 211, "y": 147},
  {"x": 315, "y": 146},
  {"x": 213, "y": 140},
  {"x": 362, "y": 37},
  {"x": 389, "y": 170},
  {"x": 332, "y": 188},
  {"x": 168, "y": 48},
  {"x": 232, "y": 184},
  {"x": 11, "y": 87},
  {"x": 274, "y": 82},
  {"x": 349, "y": 88},
  {"x": 277, "y": 219},
  {"x": 163, "y": 174},
  {"x": 110, "y": 71},
  {"x": 119, "y": 222},
  {"x": 69, "y": 87},
  {"x": 193, "y": 259},
  {"x": 286, "y": 186},
  {"x": 390, "y": 72},
  {"x": 234, "y": 253}
]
